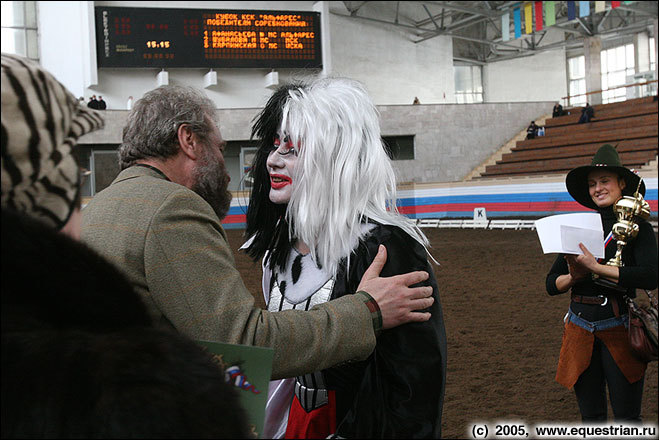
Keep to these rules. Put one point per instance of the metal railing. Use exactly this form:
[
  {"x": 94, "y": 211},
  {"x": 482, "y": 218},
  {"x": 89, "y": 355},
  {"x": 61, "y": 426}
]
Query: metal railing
[
  {"x": 647, "y": 92},
  {"x": 486, "y": 224}
]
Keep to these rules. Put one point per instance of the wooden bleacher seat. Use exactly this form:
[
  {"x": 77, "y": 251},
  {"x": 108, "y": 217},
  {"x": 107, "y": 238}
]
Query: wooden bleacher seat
[
  {"x": 606, "y": 111},
  {"x": 630, "y": 125}
]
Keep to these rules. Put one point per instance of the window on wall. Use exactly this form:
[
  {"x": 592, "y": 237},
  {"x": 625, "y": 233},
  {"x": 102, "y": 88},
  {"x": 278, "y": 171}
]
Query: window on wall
[
  {"x": 399, "y": 147},
  {"x": 102, "y": 161},
  {"x": 617, "y": 65},
  {"x": 576, "y": 68},
  {"x": 653, "y": 55},
  {"x": 238, "y": 158},
  {"x": 19, "y": 28},
  {"x": 468, "y": 84}
]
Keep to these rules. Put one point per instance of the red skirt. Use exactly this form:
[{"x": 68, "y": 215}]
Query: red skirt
[{"x": 319, "y": 423}]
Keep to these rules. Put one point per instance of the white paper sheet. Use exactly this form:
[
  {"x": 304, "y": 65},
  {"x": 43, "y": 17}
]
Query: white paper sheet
[{"x": 563, "y": 233}]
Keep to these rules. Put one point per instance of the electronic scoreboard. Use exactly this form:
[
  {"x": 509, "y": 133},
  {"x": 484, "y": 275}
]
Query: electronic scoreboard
[{"x": 155, "y": 37}]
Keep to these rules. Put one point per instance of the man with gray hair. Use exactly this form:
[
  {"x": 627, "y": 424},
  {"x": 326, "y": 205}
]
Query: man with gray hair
[
  {"x": 76, "y": 337},
  {"x": 159, "y": 221}
]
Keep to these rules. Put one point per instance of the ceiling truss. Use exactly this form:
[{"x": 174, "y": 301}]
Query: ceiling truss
[{"x": 475, "y": 26}]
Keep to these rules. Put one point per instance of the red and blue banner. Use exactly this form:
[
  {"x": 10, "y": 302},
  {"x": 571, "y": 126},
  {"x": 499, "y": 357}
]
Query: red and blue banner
[{"x": 458, "y": 200}]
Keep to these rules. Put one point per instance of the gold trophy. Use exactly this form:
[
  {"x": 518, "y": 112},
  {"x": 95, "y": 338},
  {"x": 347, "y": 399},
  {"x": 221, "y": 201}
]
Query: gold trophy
[{"x": 628, "y": 209}]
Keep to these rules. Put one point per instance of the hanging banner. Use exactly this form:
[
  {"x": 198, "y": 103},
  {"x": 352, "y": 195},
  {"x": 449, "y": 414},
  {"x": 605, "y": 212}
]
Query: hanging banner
[
  {"x": 600, "y": 6},
  {"x": 505, "y": 27},
  {"x": 517, "y": 18},
  {"x": 584, "y": 9},
  {"x": 571, "y": 10},
  {"x": 615, "y": 4},
  {"x": 538, "y": 16},
  {"x": 528, "y": 18},
  {"x": 550, "y": 13}
]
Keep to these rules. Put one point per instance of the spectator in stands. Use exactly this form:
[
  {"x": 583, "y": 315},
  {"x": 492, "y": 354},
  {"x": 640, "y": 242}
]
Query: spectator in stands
[
  {"x": 93, "y": 103},
  {"x": 416, "y": 101},
  {"x": 541, "y": 131},
  {"x": 101, "y": 104},
  {"x": 557, "y": 111},
  {"x": 80, "y": 356},
  {"x": 587, "y": 113},
  {"x": 318, "y": 140},
  {"x": 596, "y": 351},
  {"x": 129, "y": 103},
  {"x": 532, "y": 130}
]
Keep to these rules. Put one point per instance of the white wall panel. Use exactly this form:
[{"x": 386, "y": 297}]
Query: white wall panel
[
  {"x": 393, "y": 68},
  {"x": 540, "y": 77}
]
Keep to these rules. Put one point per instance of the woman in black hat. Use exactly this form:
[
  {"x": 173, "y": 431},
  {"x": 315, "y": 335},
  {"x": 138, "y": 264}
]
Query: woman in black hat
[{"x": 595, "y": 351}]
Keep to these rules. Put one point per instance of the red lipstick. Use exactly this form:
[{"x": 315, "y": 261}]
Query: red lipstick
[{"x": 278, "y": 181}]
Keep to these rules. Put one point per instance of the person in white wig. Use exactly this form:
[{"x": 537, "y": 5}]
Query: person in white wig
[{"x": 322, "y": 204}]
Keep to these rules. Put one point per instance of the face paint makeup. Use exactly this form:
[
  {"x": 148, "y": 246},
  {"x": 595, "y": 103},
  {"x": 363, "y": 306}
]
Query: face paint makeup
[{"x": 281, "y": 166}]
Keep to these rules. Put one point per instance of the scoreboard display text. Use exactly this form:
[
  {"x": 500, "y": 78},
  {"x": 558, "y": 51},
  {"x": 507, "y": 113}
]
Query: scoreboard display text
[{"x": 153, "y": 37}]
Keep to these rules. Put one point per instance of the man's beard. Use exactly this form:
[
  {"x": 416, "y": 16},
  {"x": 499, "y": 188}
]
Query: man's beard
[{"x": 211, "y": 182}]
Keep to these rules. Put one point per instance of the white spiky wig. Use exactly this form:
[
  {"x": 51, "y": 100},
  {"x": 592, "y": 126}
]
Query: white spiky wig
[{"x": 343, "y": 175}]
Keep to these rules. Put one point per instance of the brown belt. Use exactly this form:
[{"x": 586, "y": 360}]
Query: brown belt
[{"x": 599, "y": 299}]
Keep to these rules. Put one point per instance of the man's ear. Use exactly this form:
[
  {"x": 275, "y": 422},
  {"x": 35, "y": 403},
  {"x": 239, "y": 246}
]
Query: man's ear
[{"x": 188, "y": 141}]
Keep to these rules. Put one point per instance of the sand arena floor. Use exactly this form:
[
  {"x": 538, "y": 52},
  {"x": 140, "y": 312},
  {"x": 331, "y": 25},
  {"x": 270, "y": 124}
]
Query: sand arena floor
[{"x": 504, "y": 331}]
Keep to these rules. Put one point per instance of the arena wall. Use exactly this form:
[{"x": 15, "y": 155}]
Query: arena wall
[
  {"x": 450, "y": 140},
  {"x": 518, "y": 198}
]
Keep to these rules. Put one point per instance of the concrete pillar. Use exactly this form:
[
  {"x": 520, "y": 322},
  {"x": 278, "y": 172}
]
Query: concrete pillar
[
  {"x": 655, "y": 27},
  {"x": 323, "y": 8},
  {"x": 592, "y": 49}
]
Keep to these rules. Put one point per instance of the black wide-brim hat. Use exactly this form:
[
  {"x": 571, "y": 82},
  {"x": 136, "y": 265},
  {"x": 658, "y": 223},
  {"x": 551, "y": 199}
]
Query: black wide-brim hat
[{"x": 606, "y": 158}]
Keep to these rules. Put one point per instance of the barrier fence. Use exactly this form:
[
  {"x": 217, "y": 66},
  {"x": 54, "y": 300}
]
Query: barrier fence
[{"x": 487, "y": 224}]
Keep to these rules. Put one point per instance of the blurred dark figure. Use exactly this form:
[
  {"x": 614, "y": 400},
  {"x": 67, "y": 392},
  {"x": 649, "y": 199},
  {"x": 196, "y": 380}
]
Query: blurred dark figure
[
  {"x": 587, "y": 113},
  {"x": 101, "y": 104},
  {"x": 557, "y": 111},
  {"x": 532, "y": 131},
  {"x": 93, "y": 103},
  {"x": 80, "y": 356}
]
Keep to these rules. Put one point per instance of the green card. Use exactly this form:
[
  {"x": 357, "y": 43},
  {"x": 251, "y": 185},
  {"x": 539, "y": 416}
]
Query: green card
[{"x": 247, "y": 368}]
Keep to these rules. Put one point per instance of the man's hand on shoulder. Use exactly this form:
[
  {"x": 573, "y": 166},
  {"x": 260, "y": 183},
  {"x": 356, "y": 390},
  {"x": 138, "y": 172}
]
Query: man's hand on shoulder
[{"x": 397, "y": 301}]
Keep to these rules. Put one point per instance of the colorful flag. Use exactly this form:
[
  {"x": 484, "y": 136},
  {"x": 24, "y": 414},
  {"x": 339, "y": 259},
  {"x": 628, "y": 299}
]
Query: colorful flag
[
  {"x": 550, "y": 13},
  {"x": 584, "y": 8},
  {"x": 505, "y": 27},
  {"x": 538, "y": 16},
  {"x": 528, "y": 18},
  {"x": 600, "y": 6},
  {"x": 571, "y": 10},
  {"x": 517, "y": 18}
]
